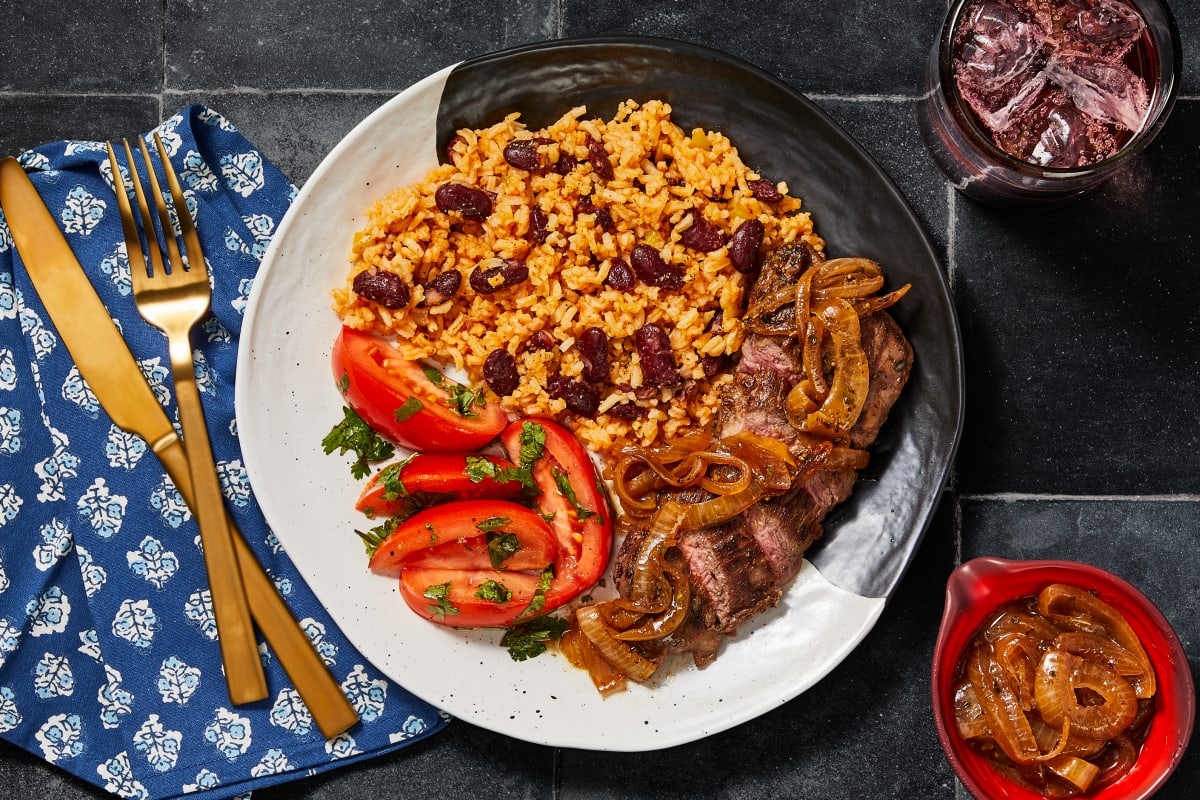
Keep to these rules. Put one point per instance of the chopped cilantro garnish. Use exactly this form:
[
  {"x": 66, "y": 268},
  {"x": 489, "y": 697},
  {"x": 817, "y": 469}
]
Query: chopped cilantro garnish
[
  {"x": 533, "y": 444},
  {"x": 389, "y": 479},
  {"x": 376, "y": 536},
  {"x": 502, "y": 546},
  {"x": 411, "y": 406},
  {"x": 494, "y": 523},
  {"x": 494, "y": 591},
  {"x": 462, "y": 399},
  {"x": 539, "y": 595},
  {"x": 440, "y": 595},
  {"x": 528, "y": 639},
  {"x": 563, "y": 482},
  {"x": 479, "y": 469},
  {"x": 343, "y": 383},
  {"x": 353, "y": 434}
]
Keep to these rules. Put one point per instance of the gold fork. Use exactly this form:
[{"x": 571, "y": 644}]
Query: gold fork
[{"x": 174, "y": 301}]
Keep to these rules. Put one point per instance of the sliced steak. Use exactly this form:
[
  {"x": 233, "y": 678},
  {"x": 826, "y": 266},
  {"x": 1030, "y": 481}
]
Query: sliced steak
[
  {"x": 784, "y": 528},
  {"x": 738, "y": 567},
  {"x": 889, "y": 357},
  {"x": 754, "y": 401},
  {"x": 730, "y": 572}
]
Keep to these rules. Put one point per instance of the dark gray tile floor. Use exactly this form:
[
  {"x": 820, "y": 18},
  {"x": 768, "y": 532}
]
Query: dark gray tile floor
[{"x": 1079, "y": 330}]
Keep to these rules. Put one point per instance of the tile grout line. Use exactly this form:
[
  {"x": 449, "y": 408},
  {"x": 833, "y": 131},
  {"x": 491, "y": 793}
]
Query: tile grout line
[
  {"x": 162, "y": 78},
  {"x": 1018, "y": 497},
  {"x": 389, "y": 91}
]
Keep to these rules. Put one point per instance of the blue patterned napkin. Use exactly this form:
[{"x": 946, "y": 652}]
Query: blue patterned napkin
[{"x": 109, "y": 665}]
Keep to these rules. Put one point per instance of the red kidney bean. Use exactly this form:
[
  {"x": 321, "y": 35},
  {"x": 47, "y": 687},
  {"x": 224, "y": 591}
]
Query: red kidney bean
[
  {"x": 627, "y": 411},
  {"x": 523, "y": 154},
  {"x": 605, "y": 221},
  {"x": 538, "y": 222},
  {"x": 703, "y": 235},
  {"x": 443, "y": 287},
  {"x": 452, "y": 145},
  {"x": 581, "y": 398},
  {"x": 541, "y": 340},
  {"x": 645, "y": 392},
  {"x": 650, "y": 268},
  {"x": 603, "y": 216},
  {"x": 566, "y": 162},
  {"x": 765, "y": 190},
  {"x": 474, "y": 204},
  {"x": 500, "y": 372},
  {"x": 385, "y": 288},
  {"x": 593, "y": 349},
  {"x": 598, "y": 158},
  {"x": 713, "y": 365},
  {"x": 654, "y": 351},
  {"x": 743, "y": 245},
  {"x": 510, "y": 272},
  {"x": 620, "y": 276}
]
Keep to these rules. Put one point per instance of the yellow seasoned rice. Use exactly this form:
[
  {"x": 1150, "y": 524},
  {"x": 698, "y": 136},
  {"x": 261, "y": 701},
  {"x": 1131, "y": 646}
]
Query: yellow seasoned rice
[{"x": 661, "y": 176}]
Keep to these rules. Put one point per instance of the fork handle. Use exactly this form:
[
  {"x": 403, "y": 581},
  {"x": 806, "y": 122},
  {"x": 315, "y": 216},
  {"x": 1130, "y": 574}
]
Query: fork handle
[
  {"x": 235, "y": 632},
  {"x": 324, "y": 697}
]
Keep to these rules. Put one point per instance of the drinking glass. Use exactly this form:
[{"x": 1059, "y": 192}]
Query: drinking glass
[{"x": 977, "y": 167}]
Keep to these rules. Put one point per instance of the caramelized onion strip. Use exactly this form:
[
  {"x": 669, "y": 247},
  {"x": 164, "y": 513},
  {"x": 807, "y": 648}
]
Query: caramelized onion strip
[
  {"x": 1061, "y": 600},
  {"x": 851, "y": 286},
  {"x": 803, "y": 303},
  {"x": 968, "y": 715},
  {"x": 1075, "y": 771},
  {"x": 579, "y": 651},
  {"x": 1002, "y": 708},
  {"x": 1013, "y": 621},
  {"x": 800, "y": 403},
  {"x": 645, "y": 584},
  {"x": 851, "y": 375},
  {"x": 620, "y": 655},
  {"x": 835, "y": 269},
  {"x": 870, "y": 305},
  {"x": 1061, "y": 674},
  {"x": 813, "y": 358},
  {"x": 1117, "y": 759},
  {"x": 725, "y": 507},
  {"x": 664, "y": 623}
]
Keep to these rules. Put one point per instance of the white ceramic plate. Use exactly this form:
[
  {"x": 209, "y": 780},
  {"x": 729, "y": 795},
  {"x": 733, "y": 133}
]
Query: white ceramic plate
[{"x": 287, "y": 401}]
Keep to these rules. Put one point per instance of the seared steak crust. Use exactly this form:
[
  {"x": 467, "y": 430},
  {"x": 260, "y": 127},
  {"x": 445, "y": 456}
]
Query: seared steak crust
[
  {"x": 738, "y": 567},
  {"x": 729, "y": 571}
]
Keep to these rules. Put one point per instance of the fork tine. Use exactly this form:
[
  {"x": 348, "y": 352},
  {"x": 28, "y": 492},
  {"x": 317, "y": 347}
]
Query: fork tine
[
  {"x": 195, "y": 255},
  {"x": 156, "y": 261},
  {"x": 164, "y": 218},
  {"x": 133, "y": 240}
]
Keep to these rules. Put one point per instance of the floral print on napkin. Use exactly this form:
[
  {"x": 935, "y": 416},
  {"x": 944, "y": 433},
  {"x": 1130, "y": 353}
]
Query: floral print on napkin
[{"x": 109, "y": 665}]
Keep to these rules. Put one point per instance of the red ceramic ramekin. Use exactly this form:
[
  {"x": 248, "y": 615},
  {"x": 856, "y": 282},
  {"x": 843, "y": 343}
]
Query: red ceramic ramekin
[{"x": 979, "y": 587}]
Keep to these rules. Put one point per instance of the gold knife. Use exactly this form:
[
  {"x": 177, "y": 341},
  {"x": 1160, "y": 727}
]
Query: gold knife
[{"x": 104, "y": 361}]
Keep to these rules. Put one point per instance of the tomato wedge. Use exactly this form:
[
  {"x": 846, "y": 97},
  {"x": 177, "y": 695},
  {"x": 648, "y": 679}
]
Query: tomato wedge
[
  {"x": 517, "y": 535},
  {"x": 408, "y": 403},
  {"x": 473, "y": 554},
  {"x": 468, "y": 598},
  {"x": 572, "y": 498},
  {"x": 460, "y": 476}
]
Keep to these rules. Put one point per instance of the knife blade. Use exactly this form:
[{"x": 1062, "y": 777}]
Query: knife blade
[{"x": 106, "y": 363}]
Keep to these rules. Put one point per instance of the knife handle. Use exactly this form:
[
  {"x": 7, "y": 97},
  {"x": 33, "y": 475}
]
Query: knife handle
[{"x": 325, "y": 699}]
